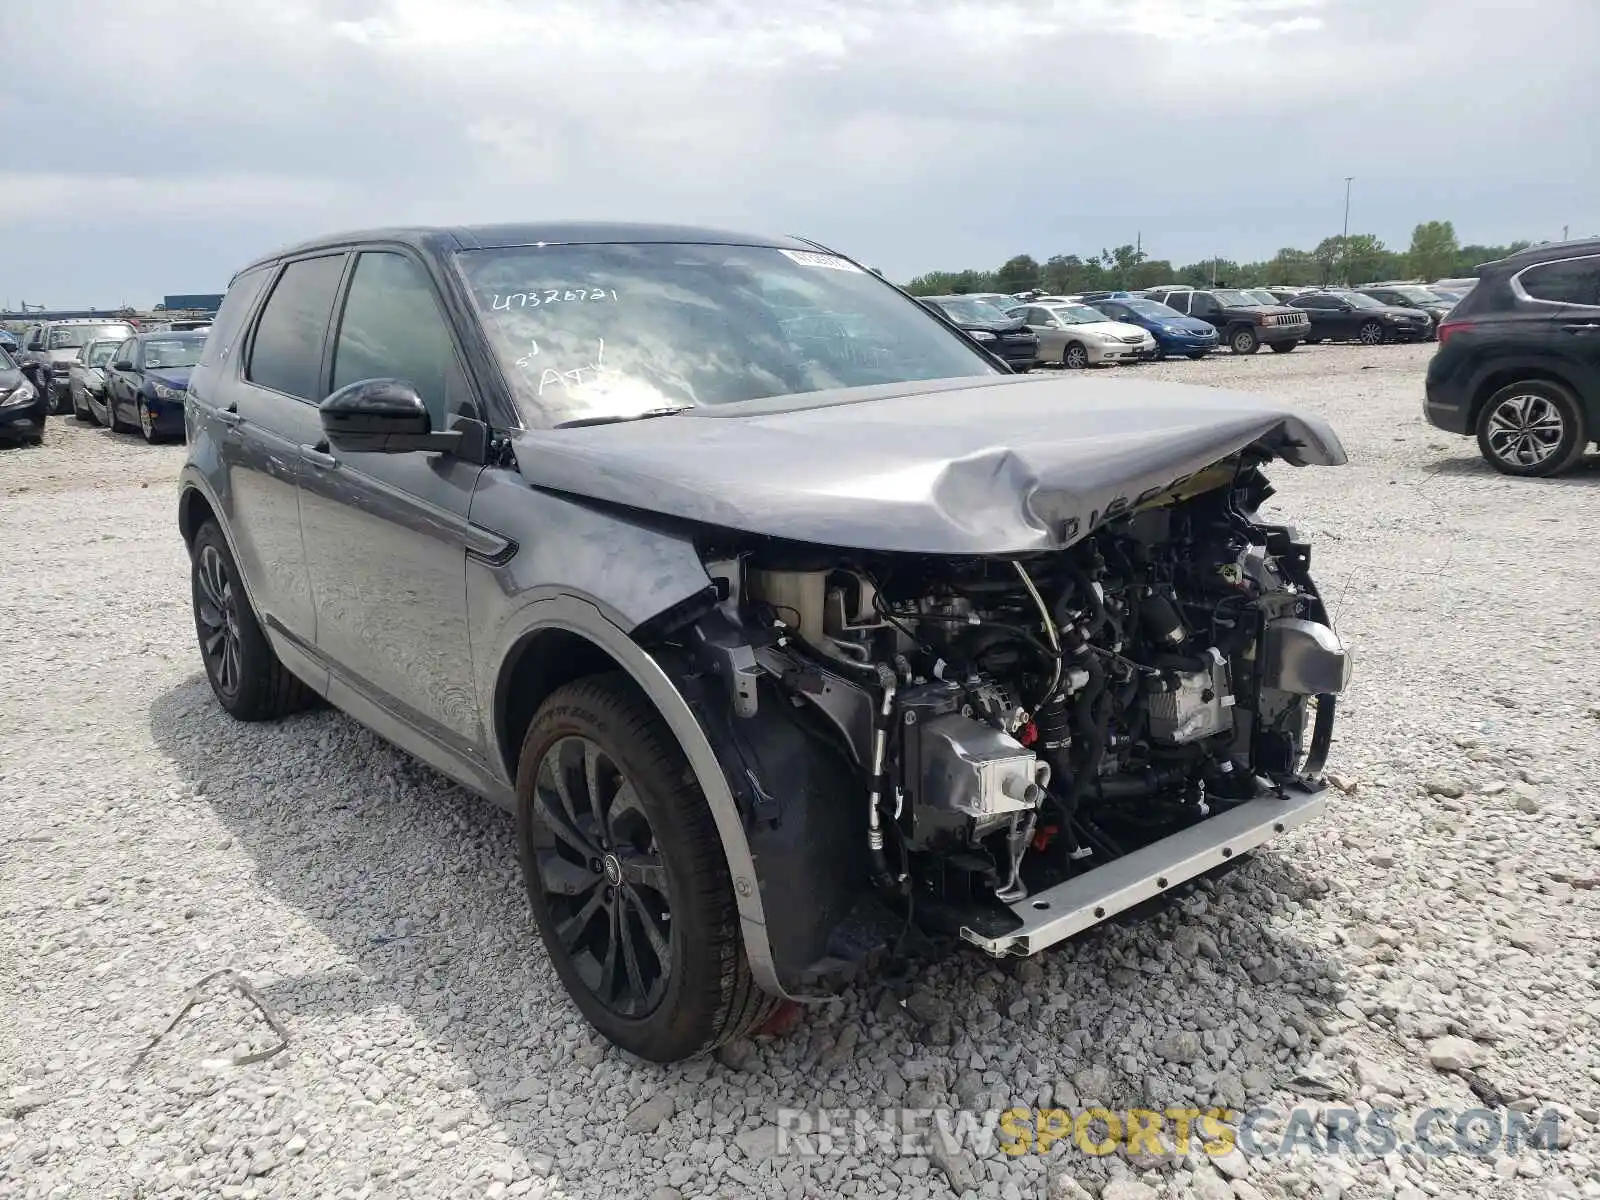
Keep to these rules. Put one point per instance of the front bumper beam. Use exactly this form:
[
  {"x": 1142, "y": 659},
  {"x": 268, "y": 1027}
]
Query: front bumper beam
[{"x": 1084, "y": 901}]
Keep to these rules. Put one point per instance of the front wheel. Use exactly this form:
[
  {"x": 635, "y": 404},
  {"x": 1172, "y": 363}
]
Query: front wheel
[
  {"x": 626, "y": 876},
  {"x": 1372, "y": 334},
  {"x": 1283, "y": 347},
  {"x": 1244, "y": 341},
  {"x": 1075, "y": 357},
  {"x": 147, "y": 423},
  {"x": 246, "y": 676},
  {"x": 1533, "y": 428}
]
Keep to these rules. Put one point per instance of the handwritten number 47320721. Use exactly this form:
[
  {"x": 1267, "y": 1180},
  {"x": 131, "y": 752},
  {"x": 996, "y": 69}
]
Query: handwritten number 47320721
[{"x": 536, "y": 299}]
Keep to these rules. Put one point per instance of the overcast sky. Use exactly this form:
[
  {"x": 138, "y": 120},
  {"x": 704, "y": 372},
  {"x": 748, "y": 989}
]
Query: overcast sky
[{"x": 156, "y": 145}]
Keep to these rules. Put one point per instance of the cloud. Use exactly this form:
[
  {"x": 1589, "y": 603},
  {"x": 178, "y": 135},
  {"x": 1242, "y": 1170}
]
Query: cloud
[{"x": 913, "y": 133}]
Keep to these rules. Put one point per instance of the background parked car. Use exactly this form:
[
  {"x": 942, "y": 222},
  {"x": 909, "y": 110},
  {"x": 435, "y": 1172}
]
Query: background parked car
[
  {"x": 51, "y": 346},
  {"x": 86, "y": 380},
  {"x": 1173, "y": 332},
  {"x": 1077, "y": 336},
  {"x": 22, "y": 409},
  {"x": 10, "y": 344},
  {"x": 146, "y": 381},
  {"x": 1411, "y": 295},
  {"x": 1239, "y": 319},
  {"x": 1342, "y": 316},
  {"x": 1463, "y": 285},
  {"x": 1004, "y": 337},
  {"x": 1518, "y": 362}
]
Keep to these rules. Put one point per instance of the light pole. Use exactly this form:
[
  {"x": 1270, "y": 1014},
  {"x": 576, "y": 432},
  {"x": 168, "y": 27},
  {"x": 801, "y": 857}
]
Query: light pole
[{"x": 1344, "y": 238}]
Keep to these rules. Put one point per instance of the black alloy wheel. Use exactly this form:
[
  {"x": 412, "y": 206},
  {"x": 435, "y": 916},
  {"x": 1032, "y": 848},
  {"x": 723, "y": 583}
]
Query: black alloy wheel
[
  {"x": 1533, "y": 428},
  {"x": 627, "y": 877},
  {"x": 216, "y": 612},
  {"x": 603, "y": 876}
]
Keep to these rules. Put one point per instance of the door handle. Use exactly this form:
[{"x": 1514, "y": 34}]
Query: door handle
[
  {"x": 228, "y": 416},
  {"x": 318, "y": 457}
]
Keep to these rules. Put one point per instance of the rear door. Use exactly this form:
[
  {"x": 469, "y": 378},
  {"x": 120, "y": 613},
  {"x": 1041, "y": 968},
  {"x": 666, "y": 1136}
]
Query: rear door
[
  {"x": 269, "y": 408},
  {"x": 386, "y": 535},
  {"x": 1567, "y": 294}
]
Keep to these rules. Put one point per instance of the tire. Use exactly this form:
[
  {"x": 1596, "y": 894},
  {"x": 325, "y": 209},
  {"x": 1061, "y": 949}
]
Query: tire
[
  {"x": 1312, "y": 341},
  {"x": 1532, "y": 429},
  {"x": 1244, "y": 340},
  {"x": 1160, "y": 355},
  {"x": 80, "y": 412},
  {"x": 1197, "y": 355},
  {"x": 147, "y": 424},
  {"x": 243, "y": 669},
  {"x": 659, "y": 851},
  {"x": 113, "y": 422},
  {"x": 1074, "y": 357},
  {"x": 1371, "y": 333},
  {"x": 1283, "y": 347}
]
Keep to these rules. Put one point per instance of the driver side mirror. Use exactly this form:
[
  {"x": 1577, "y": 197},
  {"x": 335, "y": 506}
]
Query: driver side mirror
[
  {"x": 36, "y": 344},
  {"x": 122, "y": 364},
  {"x": 387, "y": 416}
]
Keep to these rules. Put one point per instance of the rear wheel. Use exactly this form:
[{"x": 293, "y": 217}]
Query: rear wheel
[
  {"x": 113, "y": 421},
  {"x": 627, "y": 878},
  {"x": 1075, "y": 357},
  {"x": 1244, "y": 341},
  {"x": 245, "y": 674},
  {"x": 1533, "y": 428},
  {"x": 1371, "y": 334}
]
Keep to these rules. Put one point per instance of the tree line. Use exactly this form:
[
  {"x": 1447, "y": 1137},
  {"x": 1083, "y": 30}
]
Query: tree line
[{"x": 1361, "y": 258}]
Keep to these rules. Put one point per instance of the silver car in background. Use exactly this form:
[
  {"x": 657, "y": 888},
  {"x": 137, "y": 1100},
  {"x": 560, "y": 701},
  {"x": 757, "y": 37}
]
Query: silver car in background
[{"x": 1076, "y": 336}]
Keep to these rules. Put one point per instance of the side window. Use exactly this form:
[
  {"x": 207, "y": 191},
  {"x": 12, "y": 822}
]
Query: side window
[
  {"x": 1571, "y": 281},
  {"x": 1179, "y": 301},
  {"x": 392, "y": 329},
  {"x": 230, "y": 319},
  {"x": 1115, "y": 311},
  {"x": 124, "y": 352},
  {"x": 286, "y": 353},
  {"x": 1201, "y": 303}
]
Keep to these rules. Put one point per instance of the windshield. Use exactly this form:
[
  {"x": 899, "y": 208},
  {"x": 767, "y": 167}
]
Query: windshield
[
  {"x": 1152, "y": 309},
  {"x": 1262, "y": 296},
  {"x": 1357, "y": 300},
  {"x": 6, "y": 361},
  {"x": 100, "y": 353},
  {"x": 968, "y": 310},
  {"x": 596, "y": 332},
  {"x": 1078, "y": 314},
  {"x": 1417, "y": 295},
  {"x": 172, "y": 352},
  {"x": 1234, "y": 298},
  {"x": 75, "y": 337}
]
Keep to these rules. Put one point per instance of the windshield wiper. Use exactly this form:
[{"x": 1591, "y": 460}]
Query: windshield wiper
[{"x": 580, "y": 422}]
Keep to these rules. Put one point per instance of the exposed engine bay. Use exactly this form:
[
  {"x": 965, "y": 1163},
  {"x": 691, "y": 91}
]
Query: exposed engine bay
[{"x": 1014, "y": 723}]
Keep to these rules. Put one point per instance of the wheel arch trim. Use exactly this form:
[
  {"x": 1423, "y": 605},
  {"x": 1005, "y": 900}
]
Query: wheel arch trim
[{"x": 583, "y": 619}]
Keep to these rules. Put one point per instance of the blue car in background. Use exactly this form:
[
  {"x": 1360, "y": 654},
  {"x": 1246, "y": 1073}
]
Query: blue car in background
[
  {"x": 1174, "y": 332},
  {"x": 9, "y": 343},
  {"x": 146, "y": 381}
]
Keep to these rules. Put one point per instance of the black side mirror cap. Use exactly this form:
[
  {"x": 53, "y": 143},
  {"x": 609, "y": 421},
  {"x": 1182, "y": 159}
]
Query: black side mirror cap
[
  {"x": 122, "y": 364},
  {"x": 383, "y": 415}
]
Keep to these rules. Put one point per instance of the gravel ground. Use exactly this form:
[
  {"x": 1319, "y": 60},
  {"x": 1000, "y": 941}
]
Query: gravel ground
[{"x": 1442, "y": 916}]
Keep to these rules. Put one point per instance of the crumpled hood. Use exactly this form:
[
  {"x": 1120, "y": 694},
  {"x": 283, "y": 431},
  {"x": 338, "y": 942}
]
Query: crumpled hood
[{"x": 998, "y": 465}]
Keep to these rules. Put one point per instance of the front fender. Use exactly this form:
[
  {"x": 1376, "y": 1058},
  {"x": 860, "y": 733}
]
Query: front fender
[{"x": 584, "y": 619}]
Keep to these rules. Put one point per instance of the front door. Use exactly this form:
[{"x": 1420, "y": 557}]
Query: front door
[{"x": 386, "y": 533}]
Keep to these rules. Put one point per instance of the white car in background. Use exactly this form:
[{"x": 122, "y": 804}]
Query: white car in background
[{"x": 1076, "y": 336}]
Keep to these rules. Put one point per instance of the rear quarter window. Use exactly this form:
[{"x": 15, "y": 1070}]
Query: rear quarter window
[
  {"x": 1570, "y": 281},
  {"x": 231, "y": 317}
]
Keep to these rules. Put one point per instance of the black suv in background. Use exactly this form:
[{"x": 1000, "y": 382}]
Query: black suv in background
[
  {"x": 1338, "y": 315},
  {"x": 1239, "y": 318},
  {"x": 1518, "y": 362},
  {"x": 1007, "y": 338}
]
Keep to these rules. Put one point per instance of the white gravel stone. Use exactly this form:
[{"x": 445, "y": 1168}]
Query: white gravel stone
[{"x": 148, "y": 840}]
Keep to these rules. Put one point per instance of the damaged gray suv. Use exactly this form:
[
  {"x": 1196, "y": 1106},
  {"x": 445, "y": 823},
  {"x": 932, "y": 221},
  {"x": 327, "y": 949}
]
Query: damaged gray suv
[{"x": 786, "y": 619}]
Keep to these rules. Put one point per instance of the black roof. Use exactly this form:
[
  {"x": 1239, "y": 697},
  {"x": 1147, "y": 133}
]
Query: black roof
[
  {"x": 447, "y": 238},
  {"x": 1546, "y": 251}
]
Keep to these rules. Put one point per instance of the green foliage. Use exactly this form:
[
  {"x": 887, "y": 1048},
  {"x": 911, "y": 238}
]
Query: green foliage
[{"x": 1362, "y": 258}]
